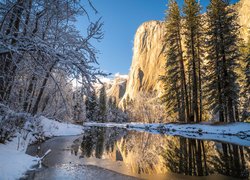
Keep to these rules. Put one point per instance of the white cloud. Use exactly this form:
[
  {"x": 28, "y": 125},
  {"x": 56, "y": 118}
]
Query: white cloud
[
  {"x": 105, "y": 79},
  {"x": 124, "y": 76}
]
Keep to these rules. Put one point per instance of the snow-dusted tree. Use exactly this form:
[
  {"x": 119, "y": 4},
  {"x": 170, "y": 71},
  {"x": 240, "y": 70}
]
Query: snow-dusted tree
[
  {"x": 147, "y": 108},
  {"x": 102, "y": 105},
  {"x": 78, "y": 106},
  {"x": 223, "y": 56},
  {"x": 111, "y": 109},
  {"x": 91, "y": 107},
  {"x": 38, "y": 40},
  {"x": 114, "y": 113}
]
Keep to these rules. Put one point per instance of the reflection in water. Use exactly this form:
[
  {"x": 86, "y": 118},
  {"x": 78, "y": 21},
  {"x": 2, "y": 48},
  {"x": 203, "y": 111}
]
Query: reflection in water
[
  {"x": 146, "y": 153},
  {"x": 189, "y": 157},
  {"x": 231, "y": 161},
  {"x": 194, "y": 158}
]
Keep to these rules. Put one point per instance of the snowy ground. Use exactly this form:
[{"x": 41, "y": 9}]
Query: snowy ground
[
  {"x": 236, "y": 133},
  {"x": 53, "y": 128},
  {"x": 14, "y": 161}
]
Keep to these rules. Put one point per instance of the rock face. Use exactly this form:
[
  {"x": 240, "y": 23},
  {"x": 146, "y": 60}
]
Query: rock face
[
  {"x": 148, "y": 53},
  {"x": 243, "y": 8},
  {"x": 118, "y": 88},
  {"x": 148, "y": 59}
]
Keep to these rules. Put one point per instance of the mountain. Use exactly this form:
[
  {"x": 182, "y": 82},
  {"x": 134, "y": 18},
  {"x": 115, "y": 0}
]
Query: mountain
[
  {"x": 243, "y": 9},
  {"x": 149, "y": 58},
  {"x": 117, "y": 87}
]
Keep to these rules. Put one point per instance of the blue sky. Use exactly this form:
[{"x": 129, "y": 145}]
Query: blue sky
[{"x": 121, "y": 19}]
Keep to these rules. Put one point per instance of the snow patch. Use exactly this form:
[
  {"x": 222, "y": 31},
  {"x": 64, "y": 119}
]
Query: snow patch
[
  {"x": 54, "y": 128},
  {"x": 14, "y": 161}
]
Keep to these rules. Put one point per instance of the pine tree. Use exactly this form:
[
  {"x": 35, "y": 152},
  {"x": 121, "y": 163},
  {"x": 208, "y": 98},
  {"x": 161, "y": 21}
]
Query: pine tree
[
  {"x": 246, "y": 84},
  {"x": 223, "y": 56},
  {"x": 175, "y": 89},
  {"x": 112, "y": 112},
  {"x": 193, "y": 42},
  {"x": 91, "y": 107},
  {"x": 103, "y": 105},
  {"x": 247, "y": 68}
]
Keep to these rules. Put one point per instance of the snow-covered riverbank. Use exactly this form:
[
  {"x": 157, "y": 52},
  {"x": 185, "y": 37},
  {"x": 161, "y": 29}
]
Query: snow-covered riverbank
[
  {"x": 14, "y": 161},
  {"x": 236, "y": 133}
]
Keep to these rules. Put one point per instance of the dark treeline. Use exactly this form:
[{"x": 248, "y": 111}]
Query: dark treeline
[
  {"x": 207, "y": 67},
  {"x": 192, "y": 157},
  {"x": 98, "y": 141},
  {"x": 102, "y": 108}
]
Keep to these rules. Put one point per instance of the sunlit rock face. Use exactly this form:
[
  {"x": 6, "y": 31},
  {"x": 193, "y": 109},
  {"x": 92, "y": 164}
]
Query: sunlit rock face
[
  {"x": 243, "y": 8},
  {"x": 148, "y": 59},
  {"x": 117, "y": 88}
]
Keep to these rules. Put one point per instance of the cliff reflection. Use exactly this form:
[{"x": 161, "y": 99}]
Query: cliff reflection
[{"x": 146, "y": 153}]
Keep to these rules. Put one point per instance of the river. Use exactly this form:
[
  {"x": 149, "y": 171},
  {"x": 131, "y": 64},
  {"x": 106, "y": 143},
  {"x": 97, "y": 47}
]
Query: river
[{"x": 116, "y": 153}]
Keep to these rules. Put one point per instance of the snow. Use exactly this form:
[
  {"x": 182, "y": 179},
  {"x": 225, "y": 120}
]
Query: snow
[
  {"x": 120, "y": 125},
  {"x": 236, "y": 133},
  {"x": 14, "y": 161},
  {"x": 239, "y": 129},
  {"x": 53, "y": 128}
]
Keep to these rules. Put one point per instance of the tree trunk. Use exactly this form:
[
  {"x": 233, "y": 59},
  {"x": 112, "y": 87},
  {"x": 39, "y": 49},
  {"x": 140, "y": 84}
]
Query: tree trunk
[
  {"x": 230, "y": 110},
  {"x": 183, "y": 77},
  {"x": 199, "y": 80},
  {"x": 35, "y": 108},
  {"x": 237, "y": 118},
  {"x": 10, "y": 67},
  {"x": 194, "y": 83},
  {"x": 28, "y": 93},
  {"x": 27, "y": 19},
  {"x": 32, "y": 98}
]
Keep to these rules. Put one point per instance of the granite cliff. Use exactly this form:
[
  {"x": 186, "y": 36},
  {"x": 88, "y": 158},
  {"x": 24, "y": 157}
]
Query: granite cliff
[{"x": 148, "y": 54}]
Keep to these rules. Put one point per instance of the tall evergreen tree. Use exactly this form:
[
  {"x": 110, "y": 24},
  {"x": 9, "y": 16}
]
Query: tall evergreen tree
[
  {"x": 91, "y": 107},
  {"x": 246, "y": 86},
  {"x": 223, "y": 56},
  {"x": 103, "y": 105},
  {"x": 175, "y": 89},
  {"x": 247, "y": 68},
  {"x": 193, "y": 42}
]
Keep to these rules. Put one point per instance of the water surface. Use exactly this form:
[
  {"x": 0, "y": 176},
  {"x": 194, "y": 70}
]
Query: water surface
[{"x": 123, "y": 154}]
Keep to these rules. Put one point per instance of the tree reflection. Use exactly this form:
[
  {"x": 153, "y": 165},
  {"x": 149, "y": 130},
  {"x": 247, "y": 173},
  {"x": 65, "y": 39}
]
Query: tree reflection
[
  {"x": 146, "y": 153},
  {"x": 99, "y": 140},
  {"x": 230, "y": 161},
  {"x": 188, "y": 157},
  {"x": 99, "y": 149},
  {"x": 87, "y": 145}
]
